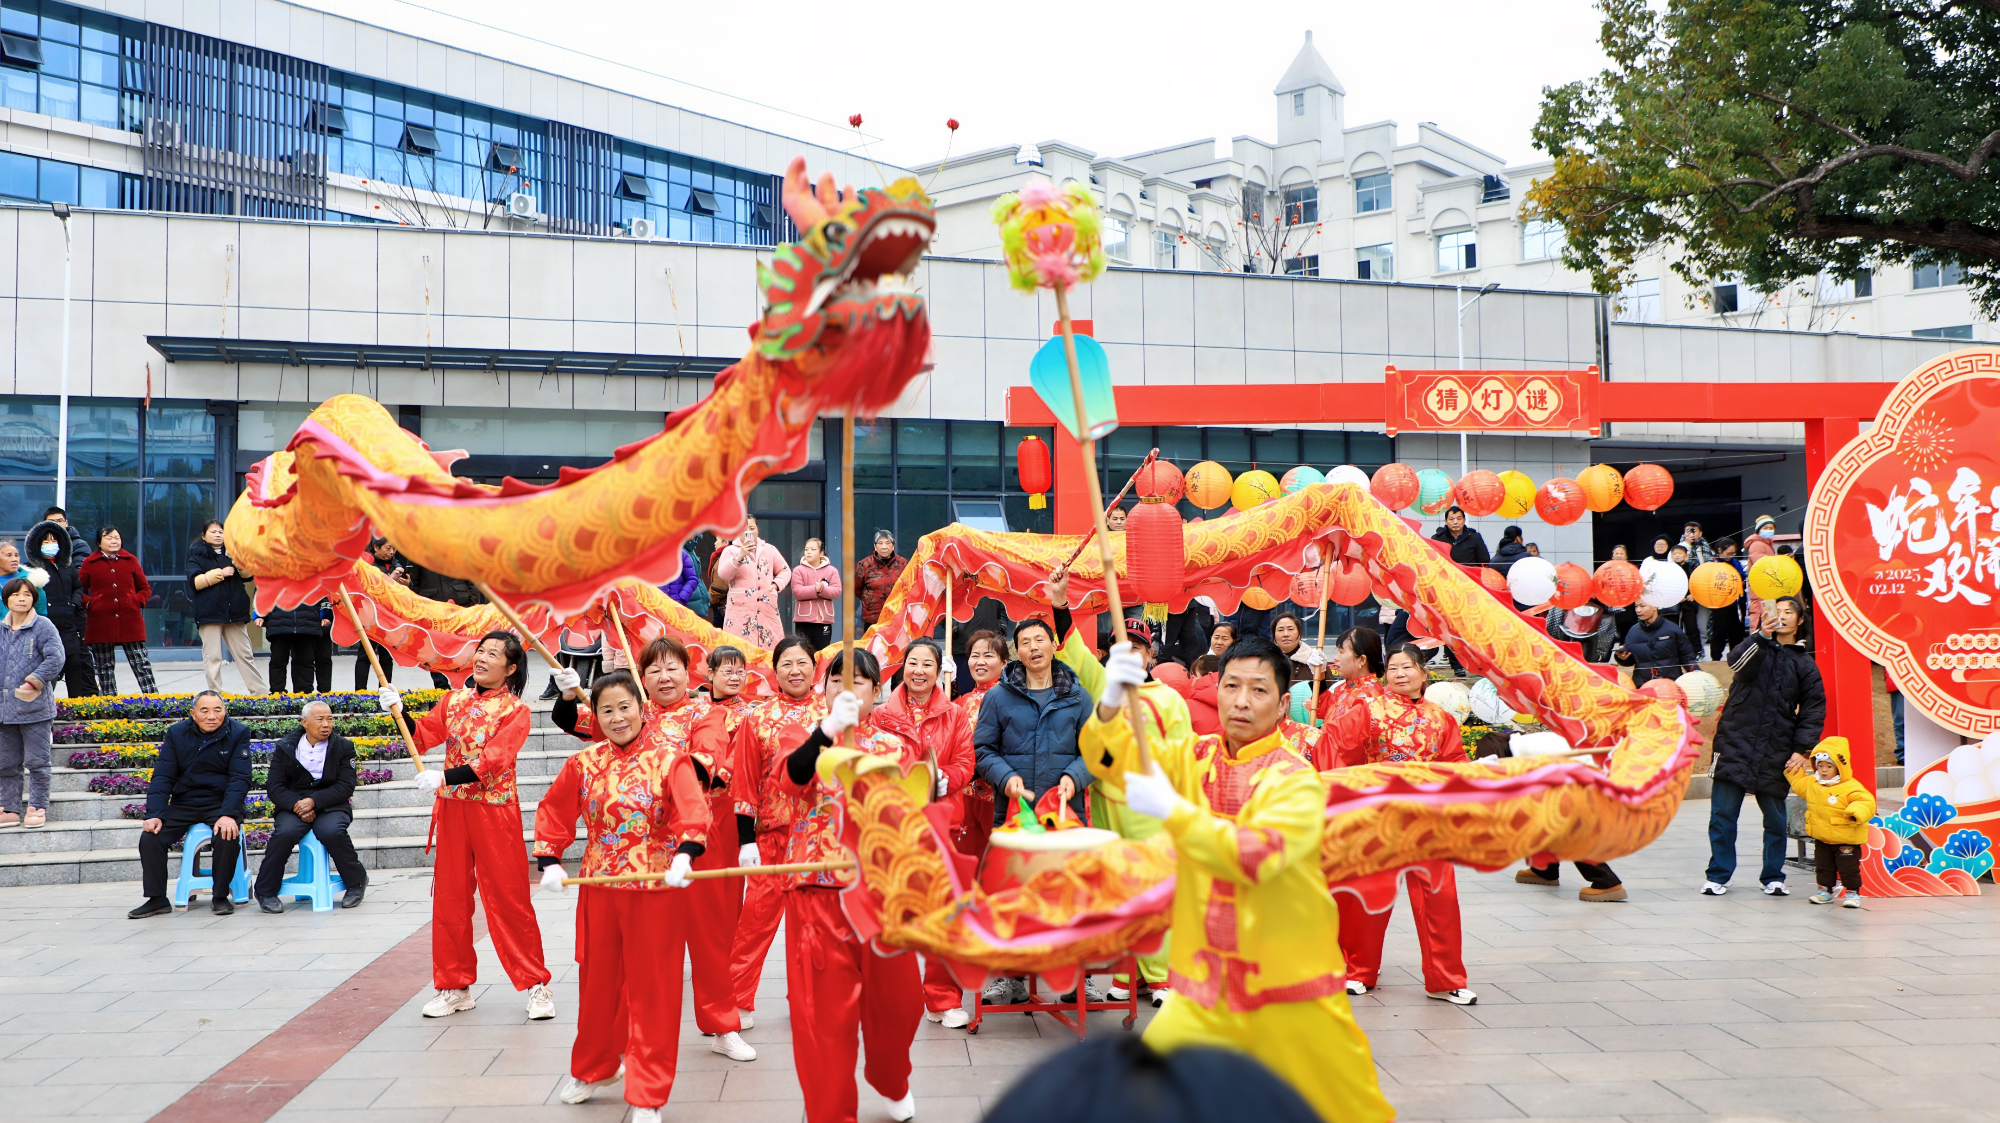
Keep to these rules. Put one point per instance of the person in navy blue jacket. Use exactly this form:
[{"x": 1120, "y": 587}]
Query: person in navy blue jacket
[
  {"x": 1656, "y": 647},
  {"x": 202, "y": 776}
]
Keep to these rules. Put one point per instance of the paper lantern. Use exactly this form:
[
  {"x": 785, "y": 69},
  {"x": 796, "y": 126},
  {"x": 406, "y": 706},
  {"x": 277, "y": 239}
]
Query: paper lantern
[
  {"x": 1255, "y": 597},
  {"x": 1300, "y": 709},
  {"x": 1538, "y": 744},
  {"x": 1618, "y": 583},
  {"x": 1208, "y": 485},
  {"x": 1492, "y": 579},
  {"x": 1395, "y": 485},
  {"x": 1031, "y": 464},
  {"x": 1602, "y": 487},
  {"x": 1450, "y": 697},
  {"x": 1775, "y": 576},
  {"x": 1531, "y": 580},
  {"x": 1715, "y": 584},
  {"x": 1666, "y": 583},
  {"x": 1648, "y": 487},
  {"x": 1159, "y": 480},
  {"x": 1433, "y": 491},
  {"x": 1703, "y": 692},
  {"x": 1486, "y": 704},
  {"x": 1520, "y": 494},
  {"x": 1480, "y": 492},
  {"x": 1665, "y": 689},
  {"x": 1254, "y": 487},
  {"x": 1348, "y": 474},
  {"x": 1560, "y": 501},
  {"x": 1305, "y": 587},
  {"x": 1300, "y": 478},
  {"x": 1573, "y": 586},
  {"x": 1351, "y": 583},
  {"x": 1048, "y": 373},
  {"x": 1155, "y": 557}
]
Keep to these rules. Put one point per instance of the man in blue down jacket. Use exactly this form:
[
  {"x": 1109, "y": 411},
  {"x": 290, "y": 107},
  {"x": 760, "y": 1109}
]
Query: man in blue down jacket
[
  {"x": 1656, "y": 647},
  {"x": 201, "y": 776},
  {"x": 1026, "y": 737}
]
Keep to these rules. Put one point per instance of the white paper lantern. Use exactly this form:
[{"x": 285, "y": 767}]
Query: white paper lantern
[
  {"x": 1451, "y": 698},
  {"x": 1704, "y": 692},
  {"x": 1486, "y": 704},
  {"x": 1539, "y": 744},
  {"x": 1666, "y": 583},
  {"x": 1938, "y": 784},
  {"x": 1348, "y": 474},
  {"x": 1531, "y": 580}
]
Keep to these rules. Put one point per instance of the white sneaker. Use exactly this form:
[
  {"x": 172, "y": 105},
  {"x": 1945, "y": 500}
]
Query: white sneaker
[
  {"x": 1004, "y": 991},
  {"x": 1851, "y": 901},
  {"x": 959, "y": 1019},
  {"x": 1459, "y": 997},
  {"x": 449, "y": 1002},
  {"x": 645, "y": 1115},
  {"x": 905, "y": 1109},
  {"x": 541, "y": 1003},
  {"x": 1160, "y": 996},
  {"x": 1713, "y": 889},
  {"x": 746, "y": 1019},
  {"x": 1776, "y": 889},
  {"x": 1117, "y": 993},
  {"x": 1356, "y": 987},
  {"x": 576, "y": 1091},
  {"x": 733, "y": 1046}
]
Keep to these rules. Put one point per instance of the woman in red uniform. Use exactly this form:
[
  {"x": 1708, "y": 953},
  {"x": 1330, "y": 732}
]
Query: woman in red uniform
[
  {"x": 985, "y": 658},
  {"x": 643, "y": 812},
  {"x": 757, "y": 744},
  {"x": 1400, "y": 725},
  {"x": 919, "y": 713},
  {"x": 476, "y": 821},
  {"x": 842, "y": 992},
  {"x": 1357, "y": 670}
]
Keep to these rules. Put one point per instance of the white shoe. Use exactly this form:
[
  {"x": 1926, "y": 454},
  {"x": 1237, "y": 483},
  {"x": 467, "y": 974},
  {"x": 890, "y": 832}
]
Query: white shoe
[
  {"x": 1459, "y": 997},
  {"x": 905, "y": 1109},
  {"x": 1713, "y": 889},
  {"x": 1356, "y": 987},
  {"x": 1776, "y": 889},
  {"x": 733, "y": 1046},
  {"x": 541, "y": 1003},
  {"x": 1160, "y": 996},
  {"x": 746, "y": 1019},
  {"x": 959, "y": 1019},
  {"x": 1004, "y": 991},
  {"x": 645, "y": 1115},
  {"x": 576, "y": 1091},
  {"x": 449, "y": 1002},
  {"x": 1117, "y": 993}
]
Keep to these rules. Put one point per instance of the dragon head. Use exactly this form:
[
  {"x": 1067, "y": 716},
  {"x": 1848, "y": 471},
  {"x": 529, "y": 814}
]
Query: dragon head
[{"x": 839, "y": 304}]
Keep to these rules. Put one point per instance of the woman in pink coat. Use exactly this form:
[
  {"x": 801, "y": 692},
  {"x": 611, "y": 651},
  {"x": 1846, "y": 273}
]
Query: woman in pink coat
[
  {"x": 815, "y": 591},
  {"x": 756, "y": 573}
]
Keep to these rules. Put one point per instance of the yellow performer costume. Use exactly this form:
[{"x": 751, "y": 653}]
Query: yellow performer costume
[{"x": 1255, "y": 963}]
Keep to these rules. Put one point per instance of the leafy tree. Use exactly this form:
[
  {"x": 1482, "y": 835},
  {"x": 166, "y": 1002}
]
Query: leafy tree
[{"x": 1781, "y": 140}]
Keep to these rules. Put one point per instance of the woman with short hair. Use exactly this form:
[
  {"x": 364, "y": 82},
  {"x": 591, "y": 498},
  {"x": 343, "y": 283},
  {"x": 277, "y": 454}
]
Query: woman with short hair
[
  {"x": 222, "y": 610},
  {"x": 115, "y": 594},
  {"x": 31, "y": 659}
]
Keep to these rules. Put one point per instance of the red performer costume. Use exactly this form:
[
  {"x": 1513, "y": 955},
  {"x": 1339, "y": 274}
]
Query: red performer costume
[
  {"x": 639, "y": 806},
  {"x": 1370, "y": 727},
  {"x": 476, "y": 826},
  {"x": 939, "y": 731},
  {"x": 757, "y": 796},
  {"x": 842, "y": 991},
  {"x": 975, "y": 826}
]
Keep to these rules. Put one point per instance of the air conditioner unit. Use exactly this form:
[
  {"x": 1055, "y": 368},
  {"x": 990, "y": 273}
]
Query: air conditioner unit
[
  {"x": 309, "y": 165},
  {"x": 520, "y": 205},
  {"x": 640, "y": 228},
  {"x": 161, "y": 133}
]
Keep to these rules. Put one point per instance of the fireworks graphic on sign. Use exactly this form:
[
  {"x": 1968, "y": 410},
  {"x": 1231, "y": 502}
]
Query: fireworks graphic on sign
[{"x": 1925, "y": 443}]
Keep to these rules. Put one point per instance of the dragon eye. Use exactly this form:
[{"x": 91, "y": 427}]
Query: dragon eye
[{"x": 835, "y": 231}]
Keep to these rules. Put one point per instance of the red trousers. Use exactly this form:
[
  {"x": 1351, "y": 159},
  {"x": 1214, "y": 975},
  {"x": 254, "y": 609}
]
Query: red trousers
[
  {"x": 628, "y": 954},
  {"x": 1438, "y": 933},
  {"x": 482, "y": 842},
  {"x": 713, "y": 905},
  {"x": 757, "y": 924},
  {"x": 843, "y": 994},
  {"x": 975, "y": 826}
]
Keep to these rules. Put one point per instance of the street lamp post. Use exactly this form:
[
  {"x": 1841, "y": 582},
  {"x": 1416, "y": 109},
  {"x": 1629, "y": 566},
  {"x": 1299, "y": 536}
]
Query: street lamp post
[
  {"x": 1458, "y": 293},
  {"x": 61, "y": 211}
]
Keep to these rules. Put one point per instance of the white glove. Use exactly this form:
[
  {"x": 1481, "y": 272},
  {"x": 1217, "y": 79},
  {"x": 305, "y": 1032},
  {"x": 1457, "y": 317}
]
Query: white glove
[
  {"x": 1312, "y": 656},
  {"x": 949, "y": 670},
  {"x": 429, "y": 781},
  {"x": 552, "y": 879},
  {"x": 677, "y": 874},
  {"x": 1123, "y": 669},
  {"x": 843, "y": 715},
  {"x": 1150, "y": 793},
  {"x": 747, "y": 855},
  {"x": 390, "y": 698},
  {"x": 567, "y": 680},
  {"x": 943, "y": 784}
]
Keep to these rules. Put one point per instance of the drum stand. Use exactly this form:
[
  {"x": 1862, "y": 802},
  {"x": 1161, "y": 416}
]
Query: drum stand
[{"x": 1071, "y": 1014}]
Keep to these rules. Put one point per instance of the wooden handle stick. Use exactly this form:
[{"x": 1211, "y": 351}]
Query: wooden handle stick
[
  {"x": 847, "y": 621},
  {"x": 368, "y": 649},
  {"x": 1325, "y": 579},
  {"x": 520, "y": 629},
  {"x": 709, "y": 875},
  {"x": 1115, "y": 501},
  {"x": 624, "y": 644}
]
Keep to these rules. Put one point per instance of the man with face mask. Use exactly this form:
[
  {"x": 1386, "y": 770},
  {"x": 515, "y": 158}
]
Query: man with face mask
[{"x": 51, "y": 551}]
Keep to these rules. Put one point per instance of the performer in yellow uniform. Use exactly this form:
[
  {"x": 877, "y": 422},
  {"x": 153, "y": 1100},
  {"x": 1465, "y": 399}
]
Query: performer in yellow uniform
[{"x": 1255, "y": 958}]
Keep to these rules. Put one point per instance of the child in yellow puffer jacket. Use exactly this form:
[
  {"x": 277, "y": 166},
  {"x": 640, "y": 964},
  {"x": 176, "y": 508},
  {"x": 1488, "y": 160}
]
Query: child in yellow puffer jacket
[{"x": 1838, "y": 808}]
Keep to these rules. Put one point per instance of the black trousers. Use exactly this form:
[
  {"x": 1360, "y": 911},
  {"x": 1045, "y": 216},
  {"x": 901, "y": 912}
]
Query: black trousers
[
  {"x": 174, "y": 826},
  {"x": 1599, "y": 876},
  {"x": 288, "y": 830},
  {"x": 1843, "y": 858},
  {"x": 364, "y": 675},
  {"x": 77, "y": 669},
  {"x": 310, "y": 659},
  {"x": 817, "y": 636}
]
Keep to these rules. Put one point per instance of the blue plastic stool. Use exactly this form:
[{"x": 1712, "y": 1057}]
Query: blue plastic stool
[
  {"x": 315, "y": 880},
  {"x": 192, "y": 877}
]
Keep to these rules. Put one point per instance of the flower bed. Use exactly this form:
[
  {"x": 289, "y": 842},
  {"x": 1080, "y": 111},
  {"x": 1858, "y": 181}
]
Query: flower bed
[
  {"x": 143, "y": 756},
  {"x": 369, "y": 776},
  {"x": 177, "y": 706},
  {"x": 121, "y": 784},
  {"x": 116, "y": 731}
]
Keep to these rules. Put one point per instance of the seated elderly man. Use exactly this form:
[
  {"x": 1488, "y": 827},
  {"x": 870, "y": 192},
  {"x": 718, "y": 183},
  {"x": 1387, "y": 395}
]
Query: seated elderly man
[
  {"x": 202, "y": 776},
  {"x": 311, "y": 782}
]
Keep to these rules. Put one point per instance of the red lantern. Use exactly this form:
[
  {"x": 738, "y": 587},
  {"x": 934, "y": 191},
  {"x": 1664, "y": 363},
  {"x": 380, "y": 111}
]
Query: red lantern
[
  {"x": 1648, "y": 487},
  {"x": 1480, "y": 492},
  {"x": 1155, "y": 557},
  {"x": 1158, "y": 480},
  {"x": 1031, "y": 463},
  {"x": 1492, "y": 578},
  {"x": 1573, "y": 586},
  {"x": 1351, "y": 583},
  {"x": 1618, "y": 584},
  {"x": 1665, "y": 689},
  {"x": 1560, "y": 501},
  {"x": 1395, "y": 485},
  {"x": 1305, "y": 588}
]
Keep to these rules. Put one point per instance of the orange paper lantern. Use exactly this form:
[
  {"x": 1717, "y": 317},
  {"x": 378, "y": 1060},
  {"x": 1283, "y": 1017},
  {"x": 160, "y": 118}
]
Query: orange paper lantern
[
  {"x": 1715, "y": 584},
  {"x": 1665, "y": 689},
  {"x": 1031, "y": 464},
  {"x": 1574, "y": 587},
  {"x": 1208, "y": 485},
  {"x": 1618, "y": 583},
  {"x": 1559, "y": 501},
  {"x": 1602, "y": 487},
  {"x": 1492, "y": 579},
  {"x": 1257, "y": 598},
  {"x": 1648, "y": 487},
  {"x": 1480, "y": 492},
  {"x": 1159, "y": 480},
  {"x": 1155, "y": 556},
  {"x": 1395, "y": 485},
  {"x": 1305, "y": 588},
  {"x": 1351, "y": 583}
]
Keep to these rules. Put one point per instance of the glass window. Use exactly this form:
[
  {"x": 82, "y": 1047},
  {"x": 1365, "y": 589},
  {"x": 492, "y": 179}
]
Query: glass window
[
  {"x": 180, "y": 442},
  {"x": 104, "y": 439},
  {"x": 1302, "y": 204},
  {"x": 1375, "y": 192},
  {"x": 1165, "y": 242},
  {"x": 98, "y": 105},
  {"x": 1180, "y": 444},
  {"x": 1937, "y": 275},
  {"x": 873, "y": 511},
  {"x": 21, "y": 505},
  {"x": 1230, "y": 448},
  {"x": 17, "y": 176},
  {"x": 173, "y": 516},
  {"x": 920, "y": 459},
  {"x": 1458, "y": 250},
  {"x": 1960, "y": 331},
  {"x": 59, "y": 23},
  {"x": 1323, "y": 450},
  {"x": 1639, "y": 302},
  {"x": 1370, "y": 451},
  {"x": 97, "y": 503},
  {"x": 59, "y": 98},
  {"x": 268, "y": 428},
  {"x": 17, "y": 89},
  {"x": 1375, "y": 263},
  {"x": 916, "y": 516},
  {"x": 100, "y": 68},
  {"x": 100, "y": 189},
  {"x": 1276, "y": 452},
  {"x": 1116, "y": 236},
  {"x": 872, "y": 463},
  {"x": 975, "y": 456},
  {"x": 1541, "y": 239},
  {"x": 19, "y": 17},
  {"x": 59, "y": 183},
  {"x": 791, "y": 497},
  {"x": 1303, "y": 266},
  {"x": 28, "y": 437},
  {"x": 59, "y": 60},
  {"x": 1022, "y": 517}
]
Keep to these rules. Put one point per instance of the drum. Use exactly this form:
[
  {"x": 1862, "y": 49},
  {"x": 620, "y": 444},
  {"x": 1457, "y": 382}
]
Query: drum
[{"x": 1012, "y": 857}]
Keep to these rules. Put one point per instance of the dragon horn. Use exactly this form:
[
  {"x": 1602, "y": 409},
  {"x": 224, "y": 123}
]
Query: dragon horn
[{"x": 805, "y": 208}]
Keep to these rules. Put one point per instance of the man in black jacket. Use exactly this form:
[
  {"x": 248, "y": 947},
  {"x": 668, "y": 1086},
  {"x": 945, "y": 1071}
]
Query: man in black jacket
[
  {"x": 456, "y": 590},
  {"x": 51, "y": 550},
  {"x": 1775, "y": 714},
  {"x": 312, "y": 782},
  {"x": 202, "y": 776},
  {"x": 1656, "y": 647},
  {"x": 1467, "y": 546}
]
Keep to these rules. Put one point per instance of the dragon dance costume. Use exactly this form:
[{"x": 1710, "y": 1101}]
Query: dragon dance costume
[
  {"x": 759, "y": 741},
  {"x": 1373, "y": 727},
  {"x": 1252, "y": 968},
  {"x": 639, "y": 806},
  {"x": 476, "y": 824}
]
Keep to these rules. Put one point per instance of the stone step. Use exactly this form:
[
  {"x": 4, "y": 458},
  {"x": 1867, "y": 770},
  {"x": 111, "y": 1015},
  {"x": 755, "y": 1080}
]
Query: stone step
[
  {"x": 65, "y": 807},
  {"x": 110, "y": 834},
  {"x": 62, "y": 867},
  {"x": 539, "y": 738},
  {"x": 543, "y": 761}
]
